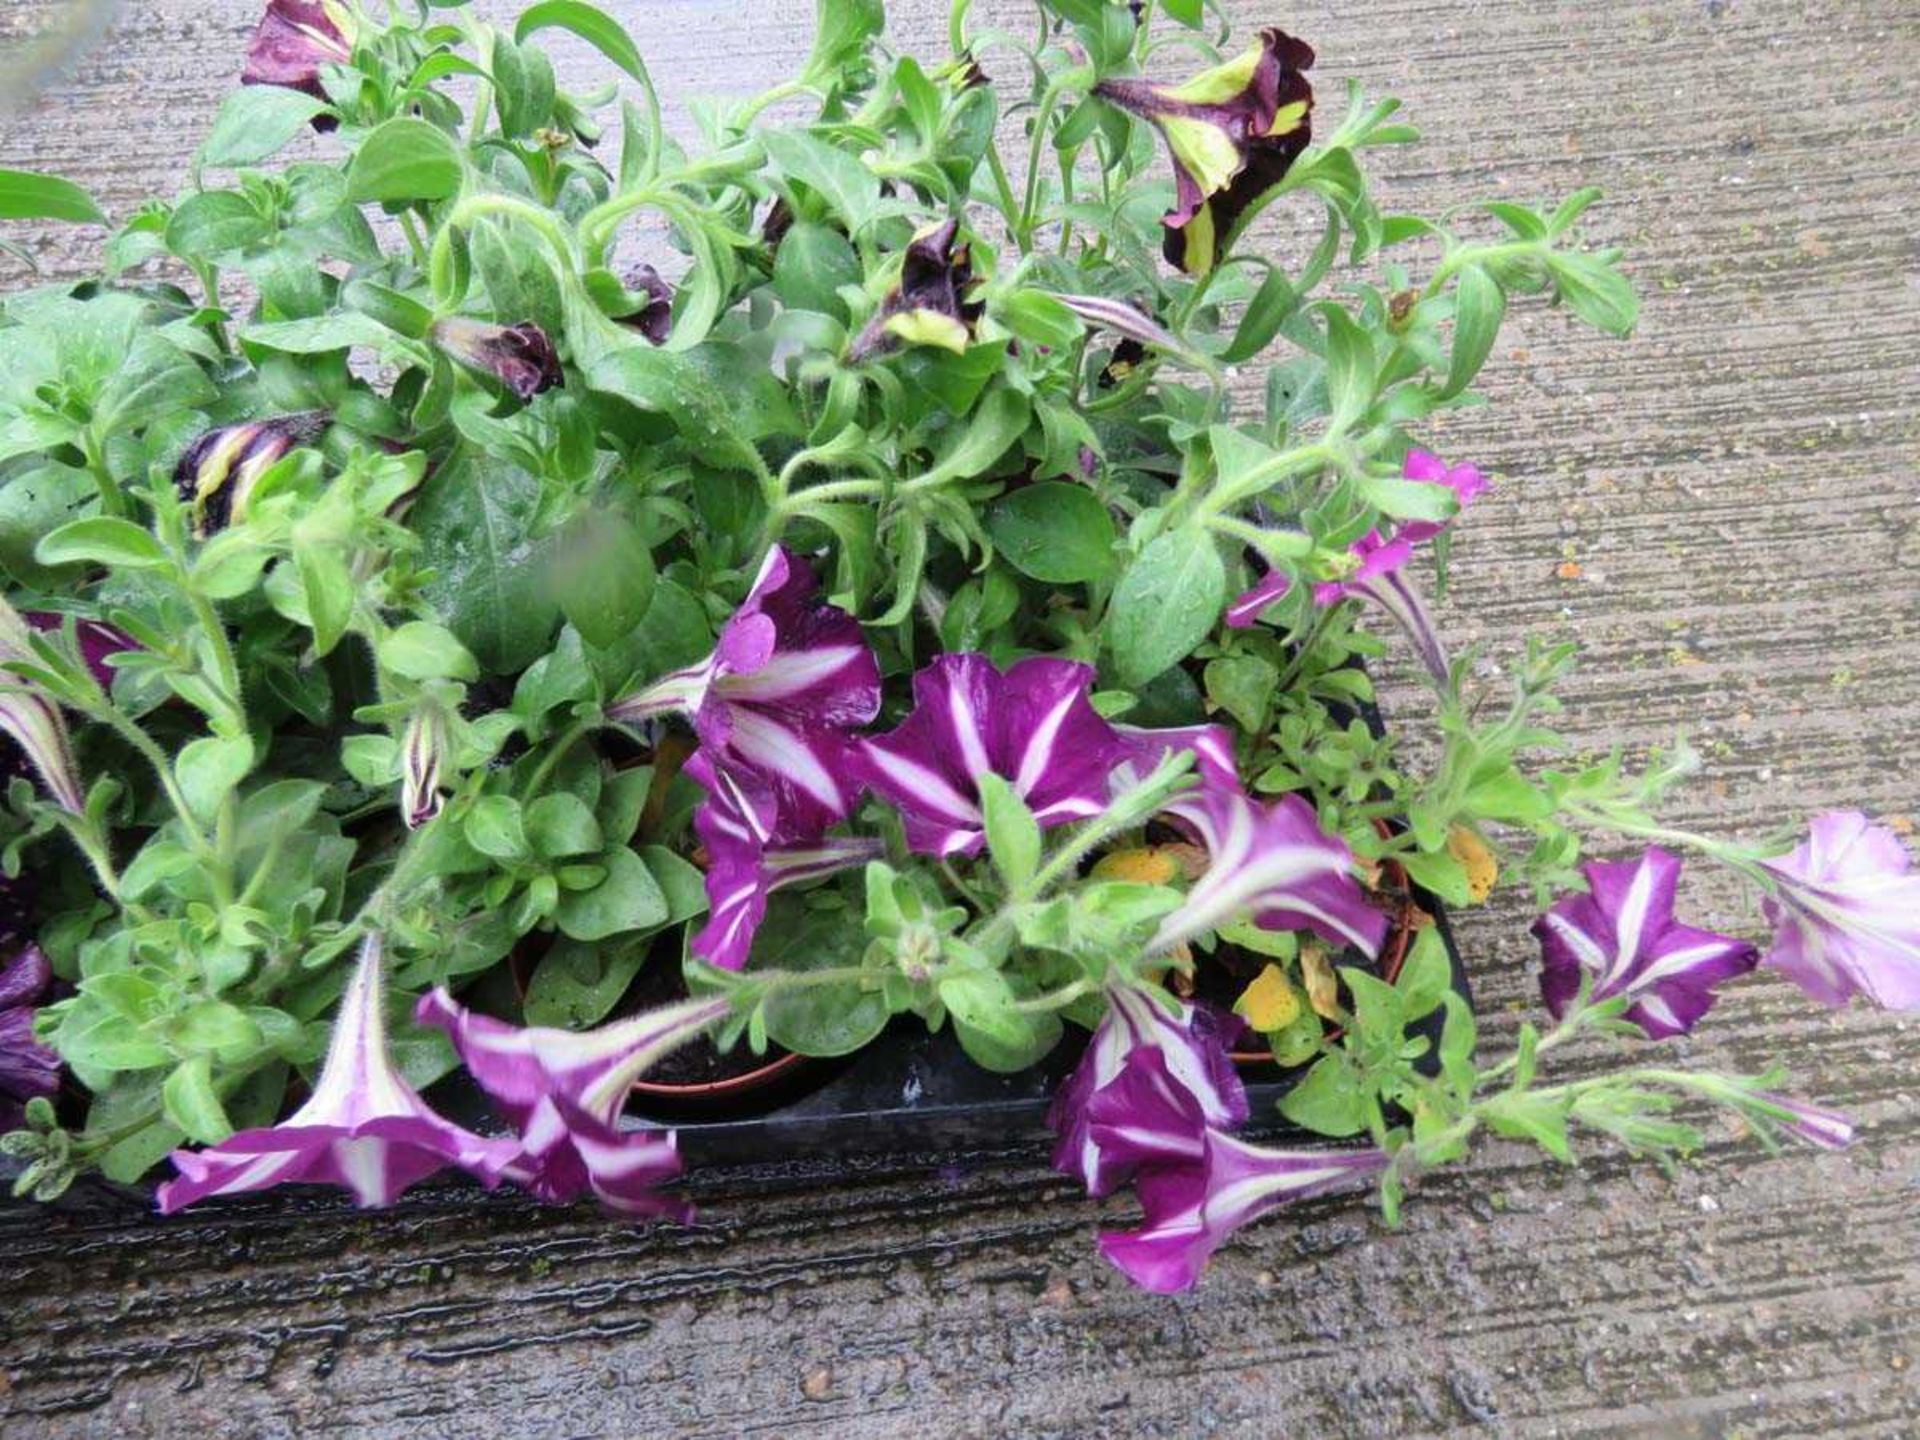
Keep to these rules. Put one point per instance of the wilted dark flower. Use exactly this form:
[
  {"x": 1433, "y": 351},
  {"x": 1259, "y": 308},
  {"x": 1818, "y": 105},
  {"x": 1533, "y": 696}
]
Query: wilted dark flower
[
  {"x": 775, "y": 224},
  {"x": 1233, "y": 132},
  {"x": 520, "y": 357},
  {"x": 217, "y": 473},
  {"x": 293, "y": 40},
  {"x": 654, "y": 319},
  {"x": 929, "y": 305}
]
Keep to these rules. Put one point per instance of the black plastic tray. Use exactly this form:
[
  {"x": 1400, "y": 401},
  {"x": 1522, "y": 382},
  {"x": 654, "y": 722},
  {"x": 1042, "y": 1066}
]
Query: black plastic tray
[{"x": 914, "y": 1091}]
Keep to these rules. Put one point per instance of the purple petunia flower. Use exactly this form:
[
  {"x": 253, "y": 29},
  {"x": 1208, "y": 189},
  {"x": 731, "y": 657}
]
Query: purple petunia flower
[
  {"x": 1233, "y": 132},
  {"x": 929, "y": 306},
  {"x": 293, "y": 40},
  {"x": 1379, "y": 573},
  {"x": 1149, "y": 1086},
  {"x": 520, "y": 357},
  {"x": 751, "y": 854},
  {"x": 1846, "y": 913},
  {"x": 1034, "y": 726},
  {"x": 1190, "y": 1211},
  {"x": 28, "y": 1069},
  {"x": 1623, "y": 933},
  {"x": 364, "y": 1128},
  {"x": 789, "y": 679},
  {"x": 33, "y": 720},
  {"x": 1143, "y": 751},
  {"x": 1271, "y": 859},
  {"x": 564, "y": 1092}
]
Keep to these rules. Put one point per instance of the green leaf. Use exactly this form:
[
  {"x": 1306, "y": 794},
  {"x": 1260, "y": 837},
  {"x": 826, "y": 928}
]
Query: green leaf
[
  {"x": 27, "y": 196},
  {"x": 592, "y": 25},
  {"x": 127, "y": 1160},
  {"x": 1243, "y": 686},
  {"x": 1013, "y": 835},
  {"x": 403, "y": 160},
  {"x": 95, "y": 1036},
  {"x": 603, "y": 575},
  {"x": 1440, "y": 872},
  {"x": 1270, "y": 308},
  {"x": 817, "y": 1019},
  {"x": 628, "y": 899},
  {"x": 1595, "y": 291},
  {"x": 190, "y": 1102},
  {"x": 101, "y": 540},
  {"x": 576, "y": 985},
  {"x": 1426, "y": 976},
  {"x": 841, "y": 31},
  {"x": 1536, "y": 1115},
  {"x": 1040, "y": 319},
  {"x": 1330, "y": 1100},
  {"x": 208, "y": 770},
  {"x": 326, "y": 583},
  {"x": 811, "y": 265},
  {"x": 1167, "y": 602},
  {"x": 494, "y": 827},
  {"x": 1054, "y": 531},
  {"x": 475, "y": 522},
  {"x": 253, "y": 122},
  {"x": 422, "y": 650},
  {"x": 1000, "y": 419},
  {"x": 995, "y": 1035},
  {"x": 848, "y": 187},
  {"x": 560, "y": 824},
  {"x": 1479, "y": 306},
  {"x": 1351, "y": 373},
  {"x": 215, "y": 222}
]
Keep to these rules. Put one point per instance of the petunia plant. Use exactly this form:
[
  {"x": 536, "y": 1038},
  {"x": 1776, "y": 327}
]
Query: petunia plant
[{"x": 501, "y": 594}]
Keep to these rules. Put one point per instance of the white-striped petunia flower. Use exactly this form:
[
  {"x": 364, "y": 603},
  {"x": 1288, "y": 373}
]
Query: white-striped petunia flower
[
  {"x": 1150, "y": 1084},
  {"x": 565, "y": 1091},
  {"x": 1846, "y": 913},
  {"x": 1190, "y": 1211},
  {"x": 1270, "y": 860},
  {"x": 364, "y": 1128},
  {"x": 752, "y": 852},
  {"x": 789, "y": 680},
  {"x": 1033, "y": 726},
  {"x": 1624, "y": 935}
]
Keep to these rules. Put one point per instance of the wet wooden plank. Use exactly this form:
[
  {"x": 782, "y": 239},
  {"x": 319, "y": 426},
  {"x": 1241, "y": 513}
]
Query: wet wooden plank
[{"x": 1738, "y": 489}]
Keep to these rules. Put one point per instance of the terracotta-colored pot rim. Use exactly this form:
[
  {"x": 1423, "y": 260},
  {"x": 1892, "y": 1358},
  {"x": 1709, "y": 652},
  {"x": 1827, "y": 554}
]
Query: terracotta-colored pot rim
[
  {"x": 732, "y": 1085},
  {"x": 1391, "y": 964}
]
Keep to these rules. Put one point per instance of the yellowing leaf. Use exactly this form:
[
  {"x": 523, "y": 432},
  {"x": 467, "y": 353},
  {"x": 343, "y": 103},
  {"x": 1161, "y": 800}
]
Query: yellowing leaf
[
  {"x": 1139, "y": 866},
  {"x": 1269, "y": 1003},
  {"x": 1323, "y": 986},
  {"x": 1476, "y": 859}
]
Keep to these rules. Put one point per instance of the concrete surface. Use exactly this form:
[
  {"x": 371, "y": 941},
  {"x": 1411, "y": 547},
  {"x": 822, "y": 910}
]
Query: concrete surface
[{"x": 1735, "y": 498}]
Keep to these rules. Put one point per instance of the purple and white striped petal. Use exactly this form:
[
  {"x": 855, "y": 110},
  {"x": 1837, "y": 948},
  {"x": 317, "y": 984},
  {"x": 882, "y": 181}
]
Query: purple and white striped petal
[
  {"x": 1271, "y": 860},
  {"x": 1812, "y": 1124},
  {"x": 363, "y": 1128},
  {"x": 1142, "y": 751},
  {"x": 1190, "y": 1211},
  {"x": 788, "y": 681},
  {"x": 564, "y": 1092},
  {"x": 1846, "y": 913},
  {"x": 1123, "y": 319},
  {"x": 751, "y": 854},
  {"x": 1246, "y": 609},
  {"x": 1624, "y": 935},
  {"x": 32, "y": 720},
  {"x": 1034, "y": 726},
  {"x": 1150, "y": 1083},
  {"x": 96, "y": 639},
  {"x": 423, "y": 751}
]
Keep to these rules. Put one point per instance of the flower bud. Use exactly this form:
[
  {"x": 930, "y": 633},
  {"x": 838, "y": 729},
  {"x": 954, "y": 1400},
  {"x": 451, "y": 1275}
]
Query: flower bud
[
  {"x": 423, "y": 751},
  {"x": 520, "y": 357},
  {"x": 654, "y": 319},
  {"x": 217, "y": 473},
  {"x": 33, "y": 720}
]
